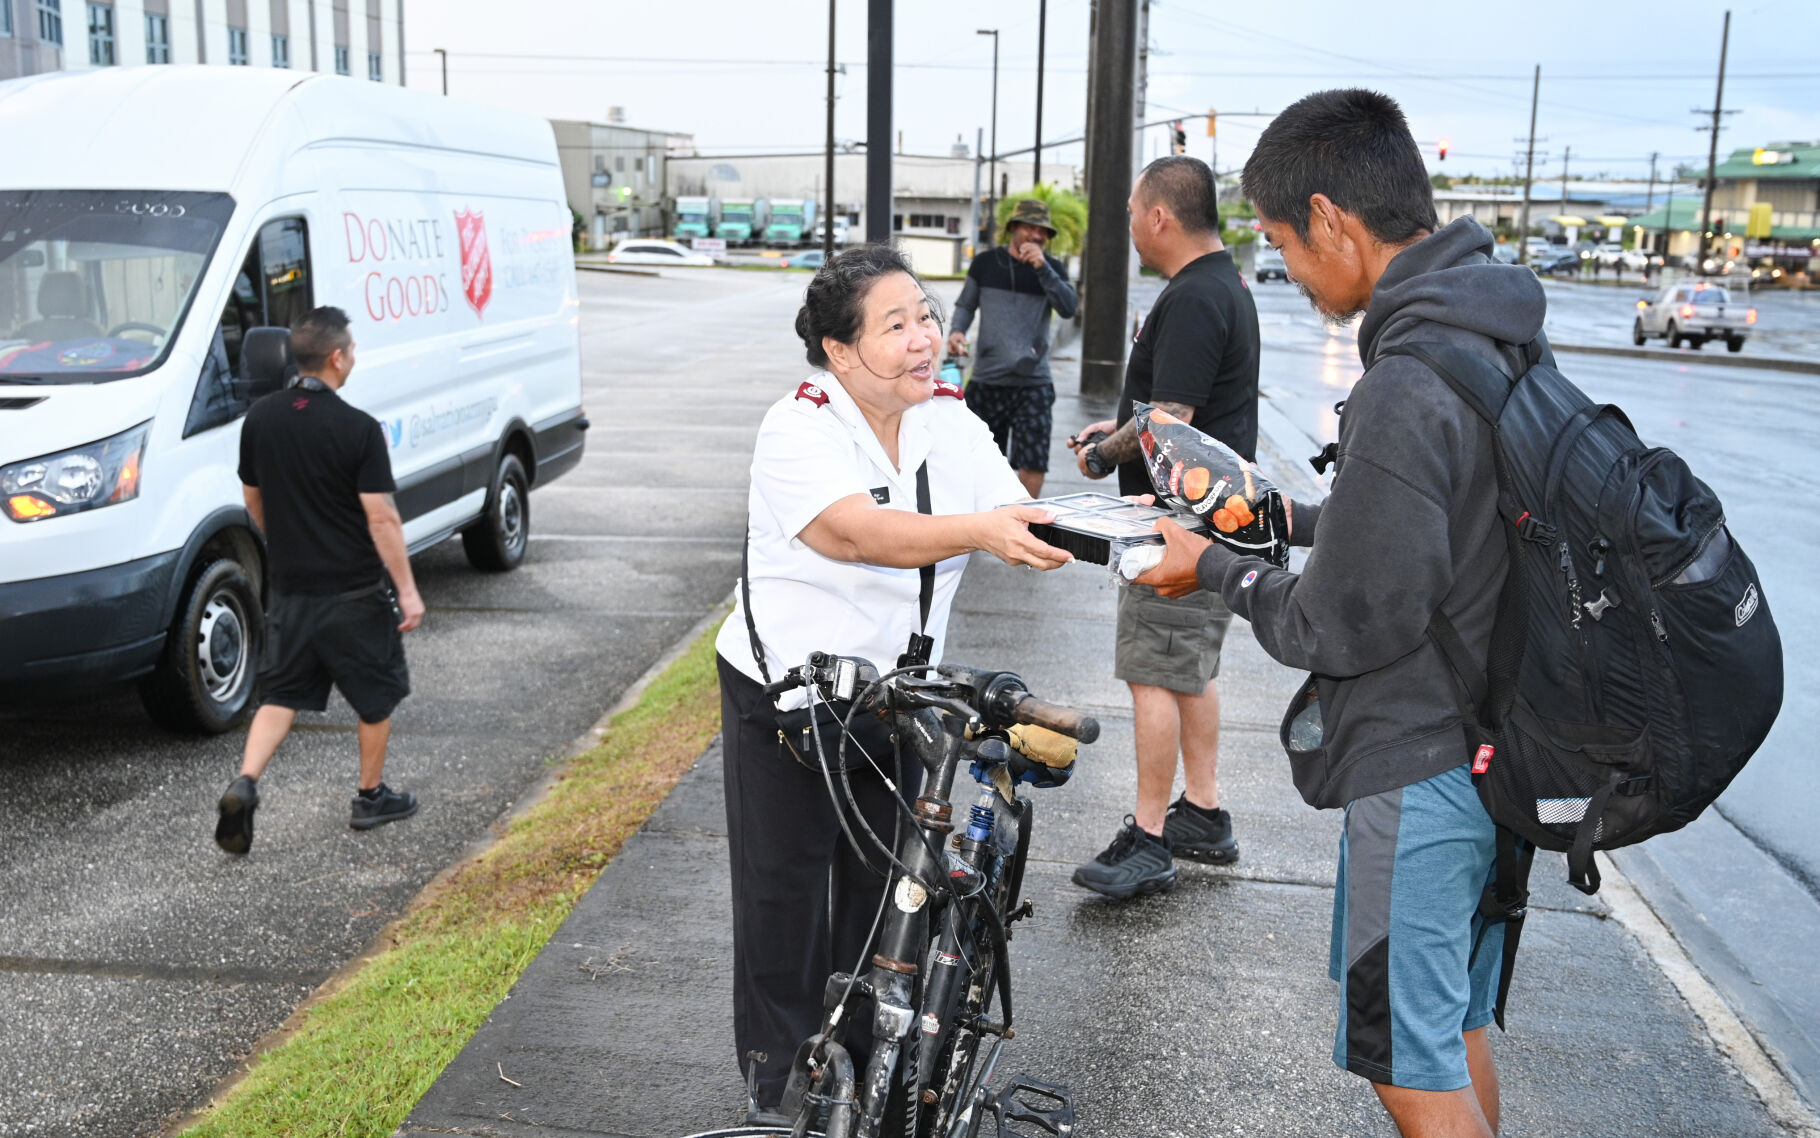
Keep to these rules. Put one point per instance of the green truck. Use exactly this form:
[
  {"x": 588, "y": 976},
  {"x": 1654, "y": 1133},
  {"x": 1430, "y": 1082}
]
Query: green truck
[
  {"x": 791, "y": 222},
  {"x": 694, "y": 216},
  {"x": 738, "y": 222}
]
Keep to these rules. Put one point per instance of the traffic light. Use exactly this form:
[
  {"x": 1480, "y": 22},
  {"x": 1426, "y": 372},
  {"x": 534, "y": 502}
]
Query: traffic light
[
  {"x": 1442, "y": 147},
  {"x": 1178, "y": 137}
]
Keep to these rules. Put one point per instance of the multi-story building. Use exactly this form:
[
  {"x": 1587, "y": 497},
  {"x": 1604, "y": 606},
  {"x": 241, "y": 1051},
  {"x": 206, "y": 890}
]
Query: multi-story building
[
  {"x": 363, "y": 39},
  {"x": 615, "y": 175}
]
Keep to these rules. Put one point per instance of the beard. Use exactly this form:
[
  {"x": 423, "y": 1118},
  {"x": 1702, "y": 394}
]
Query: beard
[{"x": 1332, "y": 319}]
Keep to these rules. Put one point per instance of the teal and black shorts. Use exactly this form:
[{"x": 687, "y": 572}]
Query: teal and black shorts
[{"x": 1414, "y": 863}]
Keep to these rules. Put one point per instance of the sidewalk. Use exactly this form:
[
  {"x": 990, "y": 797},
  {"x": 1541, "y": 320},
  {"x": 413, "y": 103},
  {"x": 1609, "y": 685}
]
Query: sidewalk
[{"x": 1204, "y": 1011}]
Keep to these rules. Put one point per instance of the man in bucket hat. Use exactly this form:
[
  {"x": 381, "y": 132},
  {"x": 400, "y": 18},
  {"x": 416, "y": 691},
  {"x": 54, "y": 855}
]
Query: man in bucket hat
[{"x": 1014, "y": 287}]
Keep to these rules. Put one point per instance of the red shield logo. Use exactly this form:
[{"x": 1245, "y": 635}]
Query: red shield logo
[{"x": 476, "y": 262}]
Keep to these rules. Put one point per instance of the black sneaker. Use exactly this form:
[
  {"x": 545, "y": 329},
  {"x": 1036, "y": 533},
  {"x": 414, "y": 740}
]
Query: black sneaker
[
  {"x": 1197, "y": 837},
  {"x": 234, "y": 832},
  {"x": 1134, "y": 863},
  {"x": 387, "y": 806}
]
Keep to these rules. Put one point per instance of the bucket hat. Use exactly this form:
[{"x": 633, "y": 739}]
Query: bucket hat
[{"x": 1031, "y": 211}]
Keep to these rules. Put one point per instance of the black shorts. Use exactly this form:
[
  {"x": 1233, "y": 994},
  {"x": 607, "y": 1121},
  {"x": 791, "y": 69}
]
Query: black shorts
[
  {"x": 350, "y": 640},
  {"x": 1020, "y": 419}
]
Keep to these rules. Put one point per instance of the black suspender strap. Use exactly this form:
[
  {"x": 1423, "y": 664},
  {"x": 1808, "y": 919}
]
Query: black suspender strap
[{"x": 925, "y": 594}]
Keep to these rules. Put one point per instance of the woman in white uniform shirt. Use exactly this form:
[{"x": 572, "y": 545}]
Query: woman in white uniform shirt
[{"x": 835, "y": 549}]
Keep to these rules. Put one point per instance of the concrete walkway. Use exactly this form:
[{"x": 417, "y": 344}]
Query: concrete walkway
[{"x": 1204, "y": 1011}]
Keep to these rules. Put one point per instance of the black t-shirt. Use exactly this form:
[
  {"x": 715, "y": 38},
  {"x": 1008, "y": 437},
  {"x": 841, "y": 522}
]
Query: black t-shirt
[
  {"x": 312, "y": 456},
  {"x": 1198, "y": 347}
]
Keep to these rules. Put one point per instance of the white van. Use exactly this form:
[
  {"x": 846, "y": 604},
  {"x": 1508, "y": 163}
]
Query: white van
[{"x": 150, "y": 217}]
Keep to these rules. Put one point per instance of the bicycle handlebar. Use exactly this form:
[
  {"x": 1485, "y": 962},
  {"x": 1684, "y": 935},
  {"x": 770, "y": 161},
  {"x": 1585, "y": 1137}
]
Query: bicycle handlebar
[{"x": 1067, "y": 721}]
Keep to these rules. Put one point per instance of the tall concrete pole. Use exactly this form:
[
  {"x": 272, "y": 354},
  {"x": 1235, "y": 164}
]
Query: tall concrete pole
[
  {"x": 973, "y": 209},
  {"x": 878, "y": 121},
  {"x": 992, "y": 179},
  {"x": 828, "y": 160},
  {"x": 1140, "y": 105},
  {"x": 1712, "y": 147},
  {"x": 1110, "y": 116},
  {"x": 1529, "y": 171}
]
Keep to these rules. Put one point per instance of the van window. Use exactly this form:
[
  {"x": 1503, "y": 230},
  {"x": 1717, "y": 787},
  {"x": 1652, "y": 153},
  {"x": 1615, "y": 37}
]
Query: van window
[
  {"x": 94, "y": 285},
  {"x": 272, "y": 288}
]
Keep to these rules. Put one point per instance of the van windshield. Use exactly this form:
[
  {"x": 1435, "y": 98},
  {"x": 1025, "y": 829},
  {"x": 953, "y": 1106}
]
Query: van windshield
[{"x": 95, "y": 283}]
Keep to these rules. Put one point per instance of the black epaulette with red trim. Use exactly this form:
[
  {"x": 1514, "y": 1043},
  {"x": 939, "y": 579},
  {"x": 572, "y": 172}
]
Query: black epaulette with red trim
[
  {"x": 951, "y": 390},
  {"x": 813, "y": 394}
]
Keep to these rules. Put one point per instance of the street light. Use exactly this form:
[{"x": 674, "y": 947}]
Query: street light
[{"x": 992, "y": 187}]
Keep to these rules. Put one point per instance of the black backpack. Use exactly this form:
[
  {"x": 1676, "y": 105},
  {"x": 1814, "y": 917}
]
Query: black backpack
[{"x": 1634, "y": 665}]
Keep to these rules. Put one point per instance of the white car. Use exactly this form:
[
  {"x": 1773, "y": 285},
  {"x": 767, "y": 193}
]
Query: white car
[
  {"x": 651, "y": 251},
  {"x": 1608, "y": 254}
]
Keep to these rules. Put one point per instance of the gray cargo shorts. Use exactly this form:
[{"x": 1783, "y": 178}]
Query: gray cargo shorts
[{"x": 1170, "y": 644}]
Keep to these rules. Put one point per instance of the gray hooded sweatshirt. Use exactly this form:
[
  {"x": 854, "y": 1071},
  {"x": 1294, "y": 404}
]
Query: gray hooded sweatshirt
[{"x": 1411, "y": 526}]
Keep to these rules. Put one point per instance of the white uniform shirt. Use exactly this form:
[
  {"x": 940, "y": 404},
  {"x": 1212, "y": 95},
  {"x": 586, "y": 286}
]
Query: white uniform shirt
[{"x": 815, "y": 448}]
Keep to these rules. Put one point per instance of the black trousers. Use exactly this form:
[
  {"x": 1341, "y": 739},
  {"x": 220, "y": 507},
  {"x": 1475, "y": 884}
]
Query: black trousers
[{"x": 803, "y": 902}]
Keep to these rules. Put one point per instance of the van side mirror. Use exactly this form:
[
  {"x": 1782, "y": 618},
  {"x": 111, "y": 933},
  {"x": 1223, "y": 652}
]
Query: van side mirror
[{"x": 266, "y": 363}]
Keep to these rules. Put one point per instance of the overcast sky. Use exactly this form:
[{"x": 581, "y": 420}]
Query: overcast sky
[{"x": 1618, "y": 79}]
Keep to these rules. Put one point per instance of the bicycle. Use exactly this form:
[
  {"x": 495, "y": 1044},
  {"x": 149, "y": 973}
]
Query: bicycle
[{"x": 942, "y": 954}]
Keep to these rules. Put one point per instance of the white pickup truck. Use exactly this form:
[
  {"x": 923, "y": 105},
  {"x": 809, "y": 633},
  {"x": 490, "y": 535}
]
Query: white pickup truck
[{"x": 1693, "y": 314}]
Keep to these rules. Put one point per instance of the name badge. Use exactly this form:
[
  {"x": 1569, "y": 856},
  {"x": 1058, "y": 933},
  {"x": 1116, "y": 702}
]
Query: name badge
[{"x": 881, "y": 495}]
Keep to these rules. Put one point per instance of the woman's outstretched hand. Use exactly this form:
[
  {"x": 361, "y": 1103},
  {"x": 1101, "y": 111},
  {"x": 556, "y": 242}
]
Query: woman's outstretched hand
[{"x": 1005, "y": 533}]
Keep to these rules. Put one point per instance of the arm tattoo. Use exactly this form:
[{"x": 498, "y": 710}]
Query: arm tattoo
[{"x": 1122, "y": 446}]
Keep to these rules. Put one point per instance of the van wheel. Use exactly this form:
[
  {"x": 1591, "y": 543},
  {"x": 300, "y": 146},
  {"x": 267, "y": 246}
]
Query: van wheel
[
  {"x": 497, "y": 541},
  {"x": 204, "y": 683},
  {"x": 1673, "y": 336},
  {"x": 1636, "y": 332}
]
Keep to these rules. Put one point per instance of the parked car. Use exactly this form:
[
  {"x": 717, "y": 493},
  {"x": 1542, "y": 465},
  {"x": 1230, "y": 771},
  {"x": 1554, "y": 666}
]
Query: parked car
[
  {"x": 127, "y": 552},
  {"x": 1504, "y": 253},
  {"x": 809, "y": 259},
  {"x": 1270, "y": 265},
  {"x": 1560, "y": 262},
  {"x": 1640, "y": 260},
  {"x": 1608, "y": 254},
  {"x": 1694, "y": 314},
  {"x": 652, "y": 251}
]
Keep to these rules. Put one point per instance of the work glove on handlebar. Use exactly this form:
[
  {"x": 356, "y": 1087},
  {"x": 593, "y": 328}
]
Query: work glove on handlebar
[{"x": 1039, "y": 756}]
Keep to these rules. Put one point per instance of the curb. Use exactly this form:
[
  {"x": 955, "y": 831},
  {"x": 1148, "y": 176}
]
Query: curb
[
  {"x": 536, "y": 793},
  {"x": 1669, "y": 355},
  {"x": 584, "y": 267}
]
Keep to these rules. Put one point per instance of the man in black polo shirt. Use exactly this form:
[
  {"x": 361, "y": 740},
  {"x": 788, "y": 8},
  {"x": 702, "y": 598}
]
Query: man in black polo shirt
[
  {"x": 1197, "y": 358},
  {"x": 318, "y": 483}
]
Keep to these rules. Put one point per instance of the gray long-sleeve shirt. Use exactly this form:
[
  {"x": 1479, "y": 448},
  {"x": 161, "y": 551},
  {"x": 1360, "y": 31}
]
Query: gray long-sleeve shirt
[{"x": 1014, "y": 301}]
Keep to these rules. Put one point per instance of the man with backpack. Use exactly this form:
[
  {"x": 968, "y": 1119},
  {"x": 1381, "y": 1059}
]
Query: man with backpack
[{"x": 1539, "y": 628}]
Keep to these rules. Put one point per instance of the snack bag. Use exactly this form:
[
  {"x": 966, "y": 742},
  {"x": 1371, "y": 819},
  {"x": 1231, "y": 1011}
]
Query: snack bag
[{"x": 1197, "y": 475}]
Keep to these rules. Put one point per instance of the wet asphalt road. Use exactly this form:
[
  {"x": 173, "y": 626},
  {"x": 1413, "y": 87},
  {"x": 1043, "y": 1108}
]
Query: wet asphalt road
[{"x": 138, "y": 963}]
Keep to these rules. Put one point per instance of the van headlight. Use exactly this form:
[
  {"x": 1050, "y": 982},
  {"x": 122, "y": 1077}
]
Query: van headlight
[{"x": 84, "y": 478}]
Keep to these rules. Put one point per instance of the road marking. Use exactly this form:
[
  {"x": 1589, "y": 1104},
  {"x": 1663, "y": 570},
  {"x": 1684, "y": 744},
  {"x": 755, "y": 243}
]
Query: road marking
[
  {"x": 1727, "y": 1031},
  {"x": 652, "y": 537}
]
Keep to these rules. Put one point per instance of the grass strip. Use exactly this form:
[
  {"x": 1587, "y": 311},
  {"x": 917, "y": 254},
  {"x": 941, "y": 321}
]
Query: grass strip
[{"x": 361, "y": 1058}]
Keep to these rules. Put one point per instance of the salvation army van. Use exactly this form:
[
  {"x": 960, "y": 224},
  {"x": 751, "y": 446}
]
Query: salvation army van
[{"x": 151, "y": 218}]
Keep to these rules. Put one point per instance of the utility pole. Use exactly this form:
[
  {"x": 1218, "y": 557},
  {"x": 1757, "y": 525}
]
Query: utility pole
[
  {"x": 1649, "y": 202},
  {"x": 1108, "y": 186},
  {"x": 1712, "y": 148},
  {"x": 1042, "y": 27},
  {"x": 1529, "y": 171},
  {"x": 878, "y": 121},
  {"x": 1134, "y": 266},
  {"x": 973, "y": 211},
  {"x": 828, "y": 158},
  {"x": 445, "y": 68},
  {"x": 1566, "y": 153},
  {"x": 992, "y": 186}
]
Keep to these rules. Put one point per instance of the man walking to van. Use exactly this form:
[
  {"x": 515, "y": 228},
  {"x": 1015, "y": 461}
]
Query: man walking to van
[
  {"x": 1197, "y": 359},
  {"x": 1014, "y": 288},
  {"x": 318, "y": 483}
]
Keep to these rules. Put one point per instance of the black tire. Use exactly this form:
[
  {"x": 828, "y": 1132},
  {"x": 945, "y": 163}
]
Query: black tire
[
  {"x": 497, "y": 541},
  {"x": 204, "y": 683},
  {"x": 1673, "y": 335},
  {"x": 1735, "y": 344},
  {"x": 1696, "y": 342},
  {"x": 1636, "y": 332}
]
